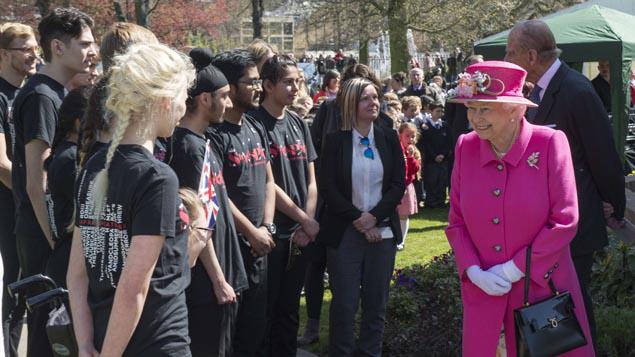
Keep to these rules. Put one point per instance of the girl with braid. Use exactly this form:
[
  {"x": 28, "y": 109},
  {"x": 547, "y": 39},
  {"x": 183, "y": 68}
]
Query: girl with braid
[{"x": 129, "y": 261}]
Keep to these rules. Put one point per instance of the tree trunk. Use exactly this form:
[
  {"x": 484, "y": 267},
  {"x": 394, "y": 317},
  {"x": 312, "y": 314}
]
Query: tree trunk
[
  {"x": 119, "y": 12},
  {"x": 398, "y": 43},
  {"x": 257, "y": 9},
  {"x": 141, "y": 10},
  {"x": 363, "y": 36},
  {"x": 43, "y": 6}
]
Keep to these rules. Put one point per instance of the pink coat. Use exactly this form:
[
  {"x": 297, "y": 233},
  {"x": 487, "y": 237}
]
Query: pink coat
[{"x": 500, "y": 207}]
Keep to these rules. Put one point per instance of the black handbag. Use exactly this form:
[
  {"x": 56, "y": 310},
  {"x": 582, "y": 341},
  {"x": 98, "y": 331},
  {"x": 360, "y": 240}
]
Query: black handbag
[{"x": 548, "y": 327}]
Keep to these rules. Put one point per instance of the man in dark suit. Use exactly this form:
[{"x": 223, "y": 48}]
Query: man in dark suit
[{"x": 568, "y": 102}]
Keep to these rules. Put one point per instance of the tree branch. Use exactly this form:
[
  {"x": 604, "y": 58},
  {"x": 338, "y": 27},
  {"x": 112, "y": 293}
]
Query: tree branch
[{"x": 154, "y": 7}]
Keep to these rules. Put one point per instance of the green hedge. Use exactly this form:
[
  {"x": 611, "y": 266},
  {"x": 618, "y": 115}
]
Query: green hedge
[{"x": 424, "y": 311}]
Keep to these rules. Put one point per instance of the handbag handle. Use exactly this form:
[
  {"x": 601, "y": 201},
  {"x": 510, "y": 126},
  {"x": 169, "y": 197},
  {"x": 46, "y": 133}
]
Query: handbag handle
[{"x": 528, "y": 279}]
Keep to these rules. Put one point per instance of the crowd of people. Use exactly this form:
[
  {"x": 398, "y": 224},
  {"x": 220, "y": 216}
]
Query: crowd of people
[{"x": 186, "y": 200}]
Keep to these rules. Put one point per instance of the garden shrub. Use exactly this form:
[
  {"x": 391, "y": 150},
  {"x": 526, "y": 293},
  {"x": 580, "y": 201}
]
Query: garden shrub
[
  {"x": 616, "y": 331},
  {"x": 613, "y": 281},
  {"x": 424, "y": 311}
]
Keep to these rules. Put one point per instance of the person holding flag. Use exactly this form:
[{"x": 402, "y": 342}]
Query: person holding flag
[{"x": 219, "y": 275}]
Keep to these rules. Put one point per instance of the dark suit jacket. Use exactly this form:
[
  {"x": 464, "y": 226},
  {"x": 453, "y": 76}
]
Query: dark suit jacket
[
  {"x": 336, "y": 180},
  {"x": 572, "y": 105}
]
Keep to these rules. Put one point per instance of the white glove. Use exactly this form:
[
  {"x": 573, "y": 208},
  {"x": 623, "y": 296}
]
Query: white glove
[
  {"x": 508, "y": 271},
  {"x": 489, "y": 282}
]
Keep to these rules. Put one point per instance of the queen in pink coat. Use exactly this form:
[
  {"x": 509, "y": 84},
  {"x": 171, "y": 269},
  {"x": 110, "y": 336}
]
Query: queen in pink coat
[{"x": 513, "y": 186}]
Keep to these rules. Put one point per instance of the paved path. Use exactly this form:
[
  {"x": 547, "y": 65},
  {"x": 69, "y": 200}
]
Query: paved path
[{"x": 22, "y": 347}]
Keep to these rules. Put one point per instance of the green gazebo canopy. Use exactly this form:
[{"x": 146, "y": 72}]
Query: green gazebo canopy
[{"x": 590, "y": 34}]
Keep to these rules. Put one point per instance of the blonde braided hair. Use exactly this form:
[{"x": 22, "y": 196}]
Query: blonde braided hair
[{"x": 141, "y": 77}]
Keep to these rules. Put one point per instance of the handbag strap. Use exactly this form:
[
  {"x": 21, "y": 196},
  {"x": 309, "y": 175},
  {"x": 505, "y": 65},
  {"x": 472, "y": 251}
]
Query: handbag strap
[
  {"x": 527, "y": 276},
  {"x": 528, "y": 279}
]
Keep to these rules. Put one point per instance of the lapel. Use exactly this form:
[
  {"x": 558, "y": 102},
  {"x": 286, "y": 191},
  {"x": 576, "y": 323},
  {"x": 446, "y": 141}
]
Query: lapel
[
  {"x": 347, "y": 161},
  {"x": 382, "y": 148},
  {"x": 549, "y": 99}
]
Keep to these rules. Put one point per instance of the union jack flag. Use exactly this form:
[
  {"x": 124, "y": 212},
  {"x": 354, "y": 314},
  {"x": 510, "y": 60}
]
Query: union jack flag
[{"x": 206, "y": 189}]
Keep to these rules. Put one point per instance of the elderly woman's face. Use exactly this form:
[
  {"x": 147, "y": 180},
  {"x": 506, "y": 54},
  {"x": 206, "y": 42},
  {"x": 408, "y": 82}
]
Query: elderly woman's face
[
  {"x": 491, "y": 121},
  {"x": 368, "y": 107}
]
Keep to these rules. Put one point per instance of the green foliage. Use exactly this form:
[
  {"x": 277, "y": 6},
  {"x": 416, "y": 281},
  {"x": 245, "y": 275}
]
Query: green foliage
[
  {"x": 424, "y": 312},
  {"x": 616, "y": 327},
  {"x": 613, "y": 282},
  {"x": 613, "y": 290}
]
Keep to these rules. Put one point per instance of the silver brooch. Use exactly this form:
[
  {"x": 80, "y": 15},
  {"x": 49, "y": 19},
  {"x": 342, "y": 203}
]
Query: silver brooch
[{"x": 532, "y": 160}]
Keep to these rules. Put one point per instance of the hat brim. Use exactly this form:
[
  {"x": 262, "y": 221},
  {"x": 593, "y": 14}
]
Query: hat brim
[{"x": 490, "y": 99}]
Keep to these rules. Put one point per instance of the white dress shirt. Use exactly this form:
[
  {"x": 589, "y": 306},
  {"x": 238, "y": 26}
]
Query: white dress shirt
[
  {"x": 543, "y": 82},
  {"x": 367, "y": 176}
]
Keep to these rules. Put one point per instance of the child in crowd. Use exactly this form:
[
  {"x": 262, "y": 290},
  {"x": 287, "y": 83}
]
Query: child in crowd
[
  {"x": 393, "y": 110},
  {"x": 435, "y": 141},
  {"x": 408, "y": 136},
  {"x": 411, "y": 108}
]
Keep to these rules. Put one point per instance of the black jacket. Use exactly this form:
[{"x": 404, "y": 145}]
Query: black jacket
[
  {"x": 336, "y": 179},
  {"x": 572, "y": 105}
]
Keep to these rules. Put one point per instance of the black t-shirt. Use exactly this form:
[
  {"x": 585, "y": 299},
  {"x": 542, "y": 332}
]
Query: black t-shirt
[
  {"x": 142, "y": 199},
  {"x": 7, "y": 94},
  {"x": 61, "y": 185},
  {"x": 95, "y": 148},
  {"x": 35, "y": 111},
  {"x": 244, "y": 153},
  {"x": 290, "y": 150},
  {"x": 603, "y": 89},
  {"x": 186, "y": 153}
]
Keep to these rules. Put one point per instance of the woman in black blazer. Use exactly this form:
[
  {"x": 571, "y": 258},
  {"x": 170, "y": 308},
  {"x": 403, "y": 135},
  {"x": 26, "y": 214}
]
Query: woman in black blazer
[{"x": 362, "y": 182}]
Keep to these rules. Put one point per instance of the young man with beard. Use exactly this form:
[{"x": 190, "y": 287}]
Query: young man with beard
[
  {"x": 67, "y": 43},
  {"x": 292, "y": 155},
  {"x": 18, "y": 57},
  {"x": 242, "y": 145},
  {"x": 219, "y": 275}
]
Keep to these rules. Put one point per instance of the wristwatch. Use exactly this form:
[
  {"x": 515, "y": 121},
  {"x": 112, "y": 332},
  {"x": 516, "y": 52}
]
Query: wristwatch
[{"x": 271, "y": 227}]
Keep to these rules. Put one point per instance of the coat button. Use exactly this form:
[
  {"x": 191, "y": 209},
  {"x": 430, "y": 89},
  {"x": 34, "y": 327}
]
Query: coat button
[
  {"x": 498, "y": 248},
  {"x": 500, "y": 167},
  {"x": 497, "y": 192},
  {"x": 547, "y": 276},
  {"x": 495, "y": 220}
]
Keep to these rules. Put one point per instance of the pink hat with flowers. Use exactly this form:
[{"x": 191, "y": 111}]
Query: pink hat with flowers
[{"x": 491, "y": 81}]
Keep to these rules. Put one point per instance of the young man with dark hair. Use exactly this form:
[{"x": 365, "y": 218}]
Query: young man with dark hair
[
  {"x": 292, "y": 156},
  {"x": 18, "y": 57},
  {"x": 67, "y": 43},
  {"x": 242, "y": 145},
  {"x": 219, "y": 275}
]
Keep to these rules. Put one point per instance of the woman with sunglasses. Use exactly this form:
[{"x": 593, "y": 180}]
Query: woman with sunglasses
[{"x": 362, "y": 182}]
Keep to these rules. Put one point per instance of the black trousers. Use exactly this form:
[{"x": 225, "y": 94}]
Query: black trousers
[
  {"x": 314, "y": 279},
  {"x": 435, "y": 178},
  {"x": 251, "y": 319},
  {"x": 583, "y": 264},
  {"x": 211, "y": 327},
  {"x": 57, "y": 263},
  {"x": 12, "y": 309},
  {"x": 286, "y": 272},
  {"x": 33, "y": 252}
]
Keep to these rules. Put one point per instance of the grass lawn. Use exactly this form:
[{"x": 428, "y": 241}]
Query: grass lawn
[{"x": 425, "y": 240}]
